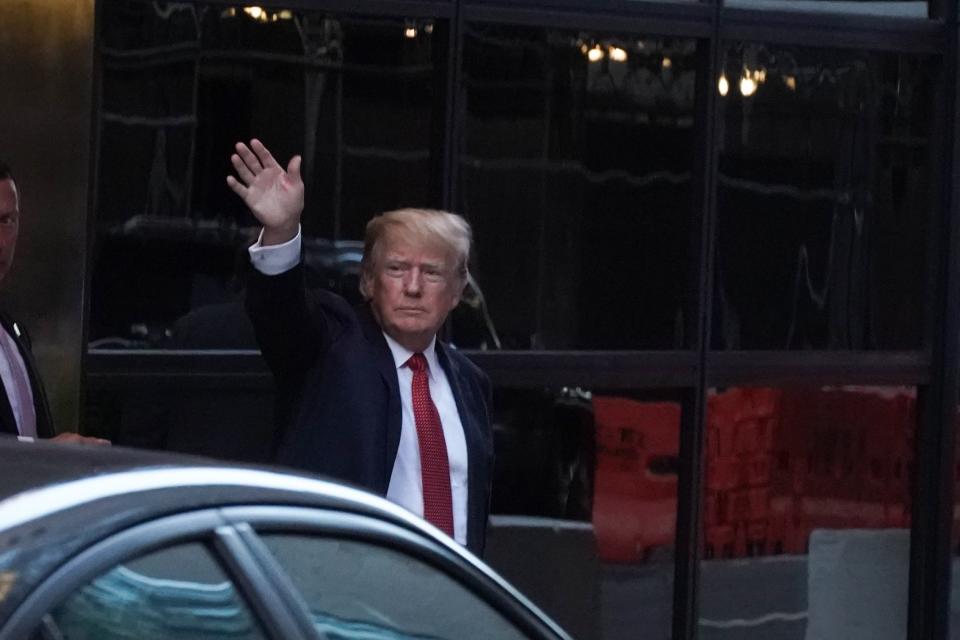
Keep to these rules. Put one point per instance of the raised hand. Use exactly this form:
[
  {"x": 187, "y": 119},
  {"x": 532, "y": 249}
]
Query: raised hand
[{"x": 274, "y": 196}]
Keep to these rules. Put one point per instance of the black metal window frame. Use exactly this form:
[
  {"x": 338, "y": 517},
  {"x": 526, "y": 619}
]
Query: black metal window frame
[{"x": 933, "y": 370}]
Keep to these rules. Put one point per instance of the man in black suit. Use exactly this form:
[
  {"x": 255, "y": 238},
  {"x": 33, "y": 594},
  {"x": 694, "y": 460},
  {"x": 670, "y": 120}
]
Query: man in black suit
[
  {"x": 24, "y": 411},
  {"x": 372, "y": 397}
]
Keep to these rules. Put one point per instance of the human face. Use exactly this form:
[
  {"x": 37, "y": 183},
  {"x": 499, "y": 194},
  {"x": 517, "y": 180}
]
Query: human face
[
  {"x": 412, "y": 288},
  {"x": 9, "y": 224}
]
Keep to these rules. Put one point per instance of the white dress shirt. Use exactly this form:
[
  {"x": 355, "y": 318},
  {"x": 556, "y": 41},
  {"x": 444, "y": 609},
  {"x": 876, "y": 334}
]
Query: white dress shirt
[
  {"x": 406, "y": 482},
  {"x": 16, "y": 382}
]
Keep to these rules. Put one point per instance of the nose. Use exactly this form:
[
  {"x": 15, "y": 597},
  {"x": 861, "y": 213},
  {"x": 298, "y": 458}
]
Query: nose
[{"x": 411, "y": 283}]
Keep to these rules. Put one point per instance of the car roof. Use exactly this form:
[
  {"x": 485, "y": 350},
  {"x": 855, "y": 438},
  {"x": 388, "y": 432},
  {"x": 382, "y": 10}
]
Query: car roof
[
  {"x": 42, "y": 479},
  {"x": 29, "y": 465}
]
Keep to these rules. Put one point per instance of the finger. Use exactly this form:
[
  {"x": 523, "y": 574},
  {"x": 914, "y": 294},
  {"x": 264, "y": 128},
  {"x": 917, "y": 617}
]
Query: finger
[
  {"x": 241, "y": 168},
  {"x": 238, "y": 188},
  {"x": 263, "y": 155},
  {"x": 249, "y": 159},
  {"x": 293, "y": 168}
]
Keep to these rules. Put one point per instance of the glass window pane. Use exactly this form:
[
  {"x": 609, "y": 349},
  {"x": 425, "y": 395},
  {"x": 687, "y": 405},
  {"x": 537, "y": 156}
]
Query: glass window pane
[
  {"x": 890, "y": 8},
  {"x": 807, "y": 512},
  {"x": 357, "y": 590},
  {"x": 578, "y": 186},
  {"x": 180, "y": 592},
  {"x": 360, "y": 98},
  {"x": 584, "y": 506},
  {"x": 825, "y": 199}
]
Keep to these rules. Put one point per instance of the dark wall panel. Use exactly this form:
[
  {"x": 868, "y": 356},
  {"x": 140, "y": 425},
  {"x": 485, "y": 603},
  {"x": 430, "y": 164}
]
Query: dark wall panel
[{"x": 46, "y": 54}]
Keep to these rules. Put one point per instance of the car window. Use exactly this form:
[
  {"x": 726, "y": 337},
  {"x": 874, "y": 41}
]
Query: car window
[
  {"x": 361, "y": 591},
  {"x": 179, "y": 592}
]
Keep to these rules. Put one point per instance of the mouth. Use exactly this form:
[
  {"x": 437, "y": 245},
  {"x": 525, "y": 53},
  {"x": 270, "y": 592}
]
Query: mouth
[{"x": 411, "y": 310}]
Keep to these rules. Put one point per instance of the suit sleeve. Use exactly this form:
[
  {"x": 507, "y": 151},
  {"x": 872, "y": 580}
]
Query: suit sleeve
[{"x": 289, "y": 333}]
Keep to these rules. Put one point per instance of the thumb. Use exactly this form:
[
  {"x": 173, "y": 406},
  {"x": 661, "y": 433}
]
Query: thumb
[{"x": 293, "y": 168}]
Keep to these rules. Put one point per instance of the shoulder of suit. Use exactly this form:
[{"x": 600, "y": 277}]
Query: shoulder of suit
[
  {"x": 466, "y": 364},
  {"x": 342, "y": 318},
  {"x": 329, "y": 300}
]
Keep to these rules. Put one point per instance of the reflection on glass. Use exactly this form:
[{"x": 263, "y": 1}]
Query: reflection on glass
[
  {"x": 890, "y": 8},
  {"x": 578, "y": 185},
  {"x": 178, "y": 592},
  {"x": 182, "y": 82},
  {"x": 824, "y": 198},
  {"x": 356, "y": 590},
  {"x": 807, "y": 510},
  {"x": 590, "y": 477}
]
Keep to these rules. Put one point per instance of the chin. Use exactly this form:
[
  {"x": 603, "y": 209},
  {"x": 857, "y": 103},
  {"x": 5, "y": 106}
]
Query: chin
[
  {"x": 412, "y": 328},
  {"x": 410, "y": 332}
]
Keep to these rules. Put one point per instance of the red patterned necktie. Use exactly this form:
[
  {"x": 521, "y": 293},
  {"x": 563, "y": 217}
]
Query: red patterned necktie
[{"x": 434, "y": 468}]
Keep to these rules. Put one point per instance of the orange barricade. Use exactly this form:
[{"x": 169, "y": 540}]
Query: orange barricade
[
  {"x": 779, "y": 463},
  {"x": 635, "y": 502}
]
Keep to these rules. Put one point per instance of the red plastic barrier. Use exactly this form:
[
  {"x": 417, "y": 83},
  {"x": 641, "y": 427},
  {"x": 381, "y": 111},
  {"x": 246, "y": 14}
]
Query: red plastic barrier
[
  {"x": 778, "y": 464},
  {"x": 634, "y": 507}
]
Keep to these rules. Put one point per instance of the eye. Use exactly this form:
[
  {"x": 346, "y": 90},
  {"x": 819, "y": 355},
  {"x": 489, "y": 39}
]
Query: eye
[
  {"x": 433, "y": 274},
  {"x": 394, "y": 269}
]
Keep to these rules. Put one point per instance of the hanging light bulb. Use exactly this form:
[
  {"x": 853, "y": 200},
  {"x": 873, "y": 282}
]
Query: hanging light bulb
[
  {"x": 723, "y": 86},
  {"x": 257, "y": 13},
  {"x": 617, "y": 54},
  {"x": 748, "y": 86},
  {"x": 595, "y": 54},
  {"x": 791, "y": 82},
  {"x": 410, "y": 28},
  {"x": 666, "y": 63}
]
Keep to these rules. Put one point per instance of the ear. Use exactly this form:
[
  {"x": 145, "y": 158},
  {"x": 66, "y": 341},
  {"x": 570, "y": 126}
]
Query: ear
[
  {"x": 366, "y": 284},
  {"x": 457, "y": 296}
]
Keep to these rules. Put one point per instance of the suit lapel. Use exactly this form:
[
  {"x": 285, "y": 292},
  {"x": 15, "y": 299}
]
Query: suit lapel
[
  {"x": 40, "y": 407},
  {"x": 383, "y": 359},
  {"x": 474, "y": 438}
]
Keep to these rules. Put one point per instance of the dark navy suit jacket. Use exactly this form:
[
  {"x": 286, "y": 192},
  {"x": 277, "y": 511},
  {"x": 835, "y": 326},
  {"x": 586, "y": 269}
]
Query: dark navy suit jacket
[
  {"x": 338, "y": 396},
  {"x": 8, "y": 423}
]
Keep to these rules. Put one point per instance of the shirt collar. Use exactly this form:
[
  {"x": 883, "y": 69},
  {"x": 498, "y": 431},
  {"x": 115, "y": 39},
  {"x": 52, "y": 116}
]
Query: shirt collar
[{"x": 401, "y": 354}]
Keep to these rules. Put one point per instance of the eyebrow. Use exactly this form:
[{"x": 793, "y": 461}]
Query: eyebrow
[{"x": 439, "y": 265}]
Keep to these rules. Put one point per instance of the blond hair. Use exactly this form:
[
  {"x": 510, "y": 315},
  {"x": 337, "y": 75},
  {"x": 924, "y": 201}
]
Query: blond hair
[{"x": 431, "y": 227}]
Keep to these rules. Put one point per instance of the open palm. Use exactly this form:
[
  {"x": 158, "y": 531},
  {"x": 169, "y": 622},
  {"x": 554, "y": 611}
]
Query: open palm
[{"x": 274, "y": 196}]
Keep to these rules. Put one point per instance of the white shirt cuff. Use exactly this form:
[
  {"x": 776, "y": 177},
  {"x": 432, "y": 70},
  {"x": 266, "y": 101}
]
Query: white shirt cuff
[{"x": 275, "y": 259}]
